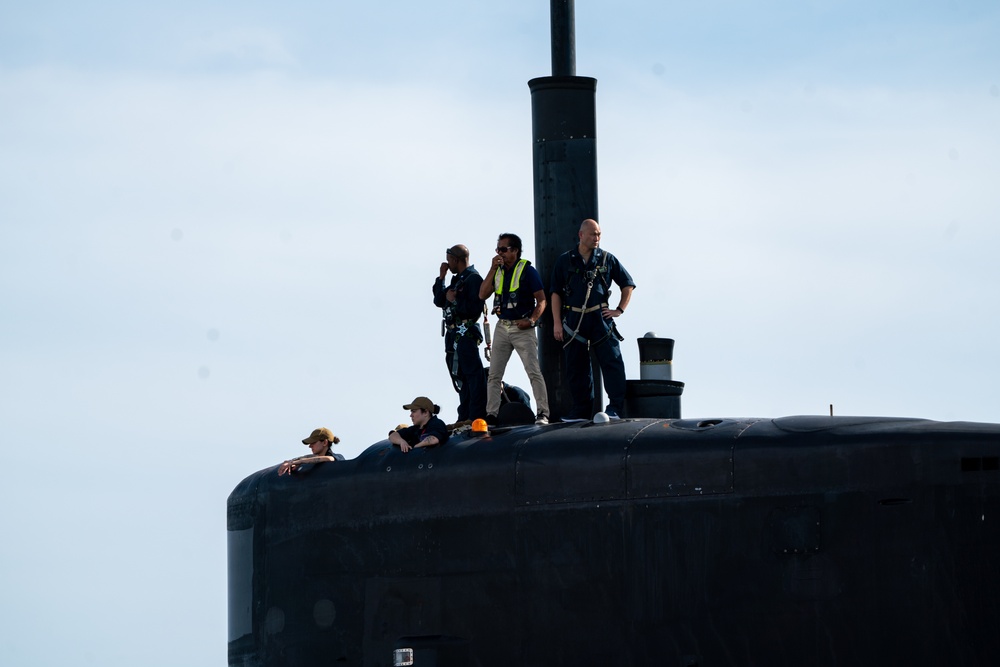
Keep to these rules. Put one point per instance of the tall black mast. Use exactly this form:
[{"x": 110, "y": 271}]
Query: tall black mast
[{"x": 564, "y": 134}]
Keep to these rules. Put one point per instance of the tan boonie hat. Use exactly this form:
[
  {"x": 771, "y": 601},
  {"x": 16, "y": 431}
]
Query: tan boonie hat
[
  {"x": 319, "y": 434},
  {"x": 421, "y": 402}
]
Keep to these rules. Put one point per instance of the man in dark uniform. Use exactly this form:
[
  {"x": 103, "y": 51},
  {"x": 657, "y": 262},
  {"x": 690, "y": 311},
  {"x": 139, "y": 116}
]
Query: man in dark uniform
[
  {"x": 583, "y": 322},
  {"x": 462, "y": 309}
]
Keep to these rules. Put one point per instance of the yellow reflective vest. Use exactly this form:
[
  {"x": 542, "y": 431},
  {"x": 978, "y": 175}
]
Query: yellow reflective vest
[{"x": 515, "y": 280}]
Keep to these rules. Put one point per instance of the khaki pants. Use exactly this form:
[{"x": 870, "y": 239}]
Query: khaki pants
[{"x": 506, "y": 339}]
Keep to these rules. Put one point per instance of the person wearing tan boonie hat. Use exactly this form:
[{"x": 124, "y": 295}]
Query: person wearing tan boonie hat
[
  {"x": 320, "y": 441},
  {"x": 427, "y": 430}
]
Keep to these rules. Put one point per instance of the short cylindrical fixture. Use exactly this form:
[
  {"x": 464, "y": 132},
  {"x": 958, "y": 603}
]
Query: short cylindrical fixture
[
  {"x": 656, "y": 358},
  {"x": 656, "y": 394}
]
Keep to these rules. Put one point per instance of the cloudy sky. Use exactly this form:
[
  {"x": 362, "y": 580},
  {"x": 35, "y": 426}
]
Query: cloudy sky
[{"x": 221, "y": 220}]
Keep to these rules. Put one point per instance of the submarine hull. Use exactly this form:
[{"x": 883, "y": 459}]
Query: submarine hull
[{"x": 801, "y": 540}]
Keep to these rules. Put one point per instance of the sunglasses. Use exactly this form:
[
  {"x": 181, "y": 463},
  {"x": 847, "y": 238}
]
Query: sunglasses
[{"x": 506, "y": 248}]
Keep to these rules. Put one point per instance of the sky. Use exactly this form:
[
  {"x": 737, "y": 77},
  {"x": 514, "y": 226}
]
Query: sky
[{"x": 220, "y": 222}]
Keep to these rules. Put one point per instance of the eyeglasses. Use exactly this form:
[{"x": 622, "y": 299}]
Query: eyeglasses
[{"x": 506, "y": 248}]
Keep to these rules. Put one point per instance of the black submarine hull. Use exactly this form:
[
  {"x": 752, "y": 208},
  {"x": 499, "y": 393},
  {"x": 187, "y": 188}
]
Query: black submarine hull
[{"x": 792, "y": 541}]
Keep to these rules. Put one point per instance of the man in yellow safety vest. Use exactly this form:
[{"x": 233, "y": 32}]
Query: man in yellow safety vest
[{"x": 518, "y": 302}]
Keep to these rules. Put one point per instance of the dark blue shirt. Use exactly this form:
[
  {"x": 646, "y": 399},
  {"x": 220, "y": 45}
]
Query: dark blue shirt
[
  {"x": 415, "y": 434},
  {"x": 468, "y": 305},
  {"x": 570, "y": 276}
]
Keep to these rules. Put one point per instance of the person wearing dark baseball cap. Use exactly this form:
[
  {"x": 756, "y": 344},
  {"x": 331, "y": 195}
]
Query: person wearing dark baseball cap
[
  {"x": 320, "y": 441},
  {"x": 427, "y": 430}
]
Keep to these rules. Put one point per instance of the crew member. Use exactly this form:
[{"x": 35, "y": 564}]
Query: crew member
[
  {"x": 320, "y": 442},
  {"x": 583, "y": 322},
  {"x": 518, "y": 302},
  {"x": 427, "y": 429},
  {"x": 461, "y": 308}
]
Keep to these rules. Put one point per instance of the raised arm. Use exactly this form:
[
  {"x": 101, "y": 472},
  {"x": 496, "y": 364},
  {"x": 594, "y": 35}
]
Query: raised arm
[{"x": 489, "y": 281}]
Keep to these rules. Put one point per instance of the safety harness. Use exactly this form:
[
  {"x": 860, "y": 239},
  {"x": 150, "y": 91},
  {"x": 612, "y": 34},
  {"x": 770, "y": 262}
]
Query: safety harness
[
  {"x": 601, "y": 272},
  {"x": 486, "y": 334},
  {"x": 498, "y": 296},
  {"x": 459, "y": 327},
  {"x": 515, "y": 283}
]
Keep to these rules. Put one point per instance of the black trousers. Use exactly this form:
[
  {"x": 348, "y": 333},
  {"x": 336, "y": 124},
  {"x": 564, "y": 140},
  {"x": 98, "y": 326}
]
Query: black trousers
[{"x": 468, "y": 375}]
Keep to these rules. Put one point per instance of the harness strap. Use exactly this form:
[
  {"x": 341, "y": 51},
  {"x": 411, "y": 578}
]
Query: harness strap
[
  {"x": 471, "y": 321},
  {"x": 577, "y": 309},
  {"x": 486, "y": 332},
  {"x": 456, "y": 379},
  {"x": 590, "y": 343},
  {"x": 579, "y": 322}
]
